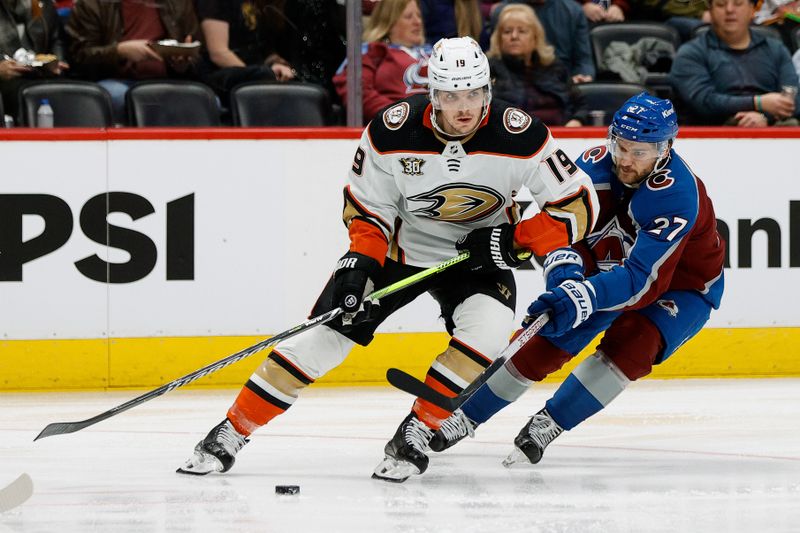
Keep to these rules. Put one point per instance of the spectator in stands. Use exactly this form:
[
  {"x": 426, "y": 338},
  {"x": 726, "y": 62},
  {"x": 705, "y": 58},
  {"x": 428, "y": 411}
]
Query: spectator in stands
[
  {"x": 526, "y": 72},
  {"x": 109, "y": 43},
  {"x": 33, "y": 26},
  {"x": 245, "y": 42},
  {"x": 451, "y": 18},
  {"x": 683, "y": 15},
  {"x": 567, "y": 29},
  {"x": 598, "y": 12},
  {"x": 732, "y": 75},
  {"x": 394, "y": 59}
]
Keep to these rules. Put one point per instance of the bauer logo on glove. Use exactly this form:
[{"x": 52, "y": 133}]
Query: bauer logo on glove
[{"x": 570, "y": 304}]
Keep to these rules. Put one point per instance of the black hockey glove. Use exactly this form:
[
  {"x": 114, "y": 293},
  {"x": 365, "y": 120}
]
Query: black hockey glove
[
  {"x": 490, "y": 248},
  {"x": 351, "y": 282}
]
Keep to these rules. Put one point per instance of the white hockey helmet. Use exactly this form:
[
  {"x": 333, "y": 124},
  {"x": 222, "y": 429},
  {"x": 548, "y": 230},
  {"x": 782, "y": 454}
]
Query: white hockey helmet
[{"x": 458, "y": 64}]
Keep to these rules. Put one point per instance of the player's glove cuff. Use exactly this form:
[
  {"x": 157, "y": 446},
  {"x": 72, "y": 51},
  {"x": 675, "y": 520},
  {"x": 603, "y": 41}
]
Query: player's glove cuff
[
  {"x": 561, "y": 265},
  {"x": 490, "y": 248}
]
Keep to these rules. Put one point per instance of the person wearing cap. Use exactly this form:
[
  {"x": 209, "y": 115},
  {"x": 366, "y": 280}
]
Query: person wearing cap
[
  {"x": 646, "y": 278},
  {"x": 734, "y": 76},
  {"x": 434, "y": 175}
]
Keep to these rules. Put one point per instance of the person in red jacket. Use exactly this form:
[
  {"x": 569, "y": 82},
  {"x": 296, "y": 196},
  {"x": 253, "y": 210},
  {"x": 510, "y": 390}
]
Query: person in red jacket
[{"x": 395, "y": 57}]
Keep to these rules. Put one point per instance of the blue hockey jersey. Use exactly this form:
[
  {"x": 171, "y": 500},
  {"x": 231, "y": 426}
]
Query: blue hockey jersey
[{"x": 664, "y": 233}]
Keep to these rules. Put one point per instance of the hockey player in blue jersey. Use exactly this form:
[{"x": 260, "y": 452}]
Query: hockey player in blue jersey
[{"x": 647, "y": 276}]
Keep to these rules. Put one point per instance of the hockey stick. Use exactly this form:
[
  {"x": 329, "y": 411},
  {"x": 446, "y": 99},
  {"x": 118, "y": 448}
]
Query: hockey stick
[
  {"x": 59, "y": 428},
  {"x": 408, "y": 383},
  {"x": 16, "y": 493}
]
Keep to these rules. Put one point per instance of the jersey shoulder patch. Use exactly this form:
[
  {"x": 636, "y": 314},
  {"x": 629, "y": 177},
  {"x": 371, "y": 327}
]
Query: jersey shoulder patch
[
  {"x": 667, "y": 193},
  {"x": 516, "y": 120},
  {"x": 396, "y": 116},
  {"x": 509, "y": 131},
  {"x": 597, "y": 164},
  {"x": 399, "y": 128}
]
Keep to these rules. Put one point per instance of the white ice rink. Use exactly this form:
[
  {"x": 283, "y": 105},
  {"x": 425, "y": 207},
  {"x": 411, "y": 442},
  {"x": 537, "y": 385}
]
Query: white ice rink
[{"x": 671, "y": 456}]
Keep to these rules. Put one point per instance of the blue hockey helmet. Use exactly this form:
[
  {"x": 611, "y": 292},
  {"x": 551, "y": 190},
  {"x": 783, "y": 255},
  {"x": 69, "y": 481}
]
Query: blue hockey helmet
[{"x": 645, "y": 118}]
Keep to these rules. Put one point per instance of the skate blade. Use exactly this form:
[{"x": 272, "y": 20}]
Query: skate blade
[
  {"x": 200, "y": 464},
  {"x": 515, "y": 458},
  {"x": 395, "y": 471}
]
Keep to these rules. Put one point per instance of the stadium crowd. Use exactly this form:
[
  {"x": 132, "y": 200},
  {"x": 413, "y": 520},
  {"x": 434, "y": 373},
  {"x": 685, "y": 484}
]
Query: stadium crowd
[{"x": 723, "y": 62}]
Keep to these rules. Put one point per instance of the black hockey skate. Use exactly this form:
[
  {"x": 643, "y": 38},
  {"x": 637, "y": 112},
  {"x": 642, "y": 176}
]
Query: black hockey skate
[
  {"x": 405, "y": 453},
  {"x": 215, "y": 453},
  {"x": 533, "y": 438},
  {"x": 453, "y": 430}
]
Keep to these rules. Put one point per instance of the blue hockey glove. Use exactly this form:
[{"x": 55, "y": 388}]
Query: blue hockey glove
[
  {"x": 561, "y": 265},
  {"x": 490, "y": 248},
  {"x": 570, "y": 304}
]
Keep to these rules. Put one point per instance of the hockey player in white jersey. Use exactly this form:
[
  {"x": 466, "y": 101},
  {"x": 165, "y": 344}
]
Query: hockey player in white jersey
[{"x": 432, "y": 175}]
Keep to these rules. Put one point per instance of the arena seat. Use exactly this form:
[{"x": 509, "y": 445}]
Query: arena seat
[
  {"x": 284, "y": 104},
  {"x": 76, "y": 104},
  {"x": 628, "y": 32},
  {"x": 172, "y": 104},
  {"x": 607, "y": 97}
]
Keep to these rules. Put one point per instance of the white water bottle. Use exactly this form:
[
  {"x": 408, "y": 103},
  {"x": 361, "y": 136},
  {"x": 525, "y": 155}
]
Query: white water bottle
[{"x": 44, "y": 115}]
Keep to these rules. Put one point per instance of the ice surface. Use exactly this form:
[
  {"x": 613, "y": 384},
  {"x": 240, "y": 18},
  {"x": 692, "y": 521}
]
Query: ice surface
[{"x": 672, "y": 456}]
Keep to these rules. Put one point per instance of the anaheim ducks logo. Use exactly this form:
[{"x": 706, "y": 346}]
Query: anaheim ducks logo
[
  {"x": 458, "y": 202},
  {"x": 395, "y": 116},
  {"x": 516, "y": 120}
]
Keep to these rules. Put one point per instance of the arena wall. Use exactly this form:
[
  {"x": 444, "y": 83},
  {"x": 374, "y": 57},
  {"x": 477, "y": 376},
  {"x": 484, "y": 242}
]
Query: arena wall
[{"x": 217, "y": 239}]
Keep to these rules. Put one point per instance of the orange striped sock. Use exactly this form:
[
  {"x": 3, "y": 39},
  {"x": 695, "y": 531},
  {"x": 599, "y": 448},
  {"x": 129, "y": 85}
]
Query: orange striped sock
[
  {"x": 253, "y": 408},
  {"x": 430, "y": 414}
]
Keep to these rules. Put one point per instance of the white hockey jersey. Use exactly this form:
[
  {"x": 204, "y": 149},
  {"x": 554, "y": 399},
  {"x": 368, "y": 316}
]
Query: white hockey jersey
[{"x": 411, "y": 194}]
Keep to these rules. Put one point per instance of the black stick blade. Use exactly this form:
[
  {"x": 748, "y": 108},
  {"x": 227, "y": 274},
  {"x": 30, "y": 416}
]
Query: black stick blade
[
  {"x": 408, "y": 383},
  {"x": 60, "y": 428}
]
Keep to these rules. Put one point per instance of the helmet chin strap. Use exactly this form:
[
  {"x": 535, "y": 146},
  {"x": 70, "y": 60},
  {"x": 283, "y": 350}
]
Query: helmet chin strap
[{"x": 661, "y": 162}]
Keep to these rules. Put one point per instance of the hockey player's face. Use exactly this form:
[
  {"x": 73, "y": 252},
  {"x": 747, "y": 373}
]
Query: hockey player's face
[
  {"x": 460, "y": 111},
  {"x": 633, "y": 160}
]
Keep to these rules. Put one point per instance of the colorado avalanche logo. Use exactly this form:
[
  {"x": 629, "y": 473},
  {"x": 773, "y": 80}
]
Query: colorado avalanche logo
[
  {"x": 660, "y": 180},
  {"x": 516, "y": 120},
  {"x": 415, "y": 77},
  {"x": 594, "y": 154},
  {"x": 458, "y": 202},
  {"x": 669, "y": 306},
  {"x": 610, "y": 244},
  {"x": 395, "y": 116}
]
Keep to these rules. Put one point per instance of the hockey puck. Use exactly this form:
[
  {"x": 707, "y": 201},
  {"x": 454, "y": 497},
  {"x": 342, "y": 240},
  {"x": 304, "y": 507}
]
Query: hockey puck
[{"x": 287, "y": 489}]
